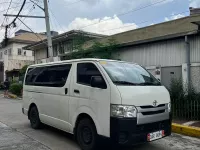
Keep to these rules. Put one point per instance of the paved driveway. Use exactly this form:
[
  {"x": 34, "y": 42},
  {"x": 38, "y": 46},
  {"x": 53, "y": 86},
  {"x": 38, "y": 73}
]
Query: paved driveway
[{"x": 17, "y": 134}]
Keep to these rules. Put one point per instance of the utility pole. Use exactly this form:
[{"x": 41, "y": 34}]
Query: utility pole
[
  {"x": 6, "y": 36},
  {"x": 49, "y": 40},
  {"x": 48, "y": 30}
]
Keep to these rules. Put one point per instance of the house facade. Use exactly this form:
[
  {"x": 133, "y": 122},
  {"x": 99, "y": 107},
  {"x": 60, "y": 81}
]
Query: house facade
[
  {"x": 63, "y": 44},
  {"x": 13, "y": 57}
]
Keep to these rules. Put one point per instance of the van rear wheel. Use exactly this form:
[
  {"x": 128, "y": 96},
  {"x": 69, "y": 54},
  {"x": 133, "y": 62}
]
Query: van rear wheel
[
  {"x": 86, "y": 134},
  {"x": 34, "y": 118}
]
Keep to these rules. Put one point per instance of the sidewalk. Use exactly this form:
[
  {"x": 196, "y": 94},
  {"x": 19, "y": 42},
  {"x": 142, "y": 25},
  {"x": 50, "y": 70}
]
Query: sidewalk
[
  {"x": 11, "y": 139},
  {"x": 190, "y": 128},
  {"x": 188, "y": 123}
]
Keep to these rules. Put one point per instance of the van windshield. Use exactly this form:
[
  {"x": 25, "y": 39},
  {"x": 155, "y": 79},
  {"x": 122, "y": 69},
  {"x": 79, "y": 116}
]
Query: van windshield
[{"x": 129, "y": 74}]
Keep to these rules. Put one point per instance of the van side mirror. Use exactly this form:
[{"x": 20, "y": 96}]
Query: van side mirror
[{"x": 98, "y": 82}]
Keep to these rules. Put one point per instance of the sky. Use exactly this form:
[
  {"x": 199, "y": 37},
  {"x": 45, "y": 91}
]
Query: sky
[{"x": 98, "y": 16}]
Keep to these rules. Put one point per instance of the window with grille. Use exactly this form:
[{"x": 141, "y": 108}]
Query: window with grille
[{"x": 19, "y": 51}]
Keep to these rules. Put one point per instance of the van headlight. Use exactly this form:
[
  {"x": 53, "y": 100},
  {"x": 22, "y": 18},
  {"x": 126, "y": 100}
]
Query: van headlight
[
  {"x": 123, "y": 111},
  {"x": 169, "y": 107}
]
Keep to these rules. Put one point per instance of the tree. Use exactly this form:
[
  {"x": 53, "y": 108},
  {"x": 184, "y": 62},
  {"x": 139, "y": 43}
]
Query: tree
[
  {"x": 98, "y": 50},
  {"x": 23, "y": 70}
]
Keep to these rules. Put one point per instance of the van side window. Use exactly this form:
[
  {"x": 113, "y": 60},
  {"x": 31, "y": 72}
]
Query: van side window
[
  {"x": 85, "y": 71},
  {"x": 32, "y": 74},
  {"x": 52, "y": 76}
]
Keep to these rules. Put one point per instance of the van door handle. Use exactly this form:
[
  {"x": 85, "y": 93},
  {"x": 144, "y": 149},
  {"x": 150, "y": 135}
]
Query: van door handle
[
  {"x": 66, "y": 91},
  {"x": 76, "y": 91}
]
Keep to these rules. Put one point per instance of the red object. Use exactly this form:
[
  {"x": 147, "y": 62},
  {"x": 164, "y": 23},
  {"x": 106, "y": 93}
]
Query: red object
[
  {"x": 148, "y": 137},
  {"x": 163, "y": 133}
]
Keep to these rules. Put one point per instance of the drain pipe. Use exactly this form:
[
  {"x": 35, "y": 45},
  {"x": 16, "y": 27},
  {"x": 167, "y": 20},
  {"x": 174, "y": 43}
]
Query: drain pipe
[{"x": 187, "y": 46}]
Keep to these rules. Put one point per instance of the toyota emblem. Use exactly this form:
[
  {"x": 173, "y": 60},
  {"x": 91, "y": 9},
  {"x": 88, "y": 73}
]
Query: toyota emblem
[{"x": 155, "y": 103}]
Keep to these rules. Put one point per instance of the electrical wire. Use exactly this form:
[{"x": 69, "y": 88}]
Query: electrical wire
[
  {"x": 56, "y": 20},
  {"x": 32, "y": 31},
  {"x": 7, "y": 12},
  {"x": 69, "y": 4},
  {"x": 9, "y": 2},
  {"x": 122, "y": 14},
  {"x": 30, "y": 10},
  {"x": 141, "y": 22},
  {"x": 17, "y": 14},
  {"x": 11, "y": 8}
]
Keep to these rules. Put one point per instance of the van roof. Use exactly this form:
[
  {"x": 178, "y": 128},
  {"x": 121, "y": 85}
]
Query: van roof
[{"x": 73, "y": 60}]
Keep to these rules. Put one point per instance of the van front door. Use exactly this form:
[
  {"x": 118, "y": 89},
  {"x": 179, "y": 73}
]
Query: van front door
[{"x": 94, "y": 101}]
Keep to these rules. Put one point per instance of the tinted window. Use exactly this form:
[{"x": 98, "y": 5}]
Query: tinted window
[
  {"x": 85, "y": 71},
  {"x": 53, "y": 76},
  {"x": 32, "y": 74}
]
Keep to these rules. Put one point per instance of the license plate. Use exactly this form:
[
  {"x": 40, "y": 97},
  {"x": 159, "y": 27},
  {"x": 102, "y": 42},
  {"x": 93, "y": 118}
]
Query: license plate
[{"x": 155, "y": 135}]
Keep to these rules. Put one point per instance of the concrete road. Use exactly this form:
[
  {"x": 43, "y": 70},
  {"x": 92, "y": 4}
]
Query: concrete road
[{"x": 16, "y": 133}]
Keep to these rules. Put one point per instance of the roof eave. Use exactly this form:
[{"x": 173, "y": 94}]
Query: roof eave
[
  {"x": 65, "y": 35},
  {"x": 167, "y": 37}
]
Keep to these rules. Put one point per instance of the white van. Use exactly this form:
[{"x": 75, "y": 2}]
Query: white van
[{"x": 94, "y": 98}]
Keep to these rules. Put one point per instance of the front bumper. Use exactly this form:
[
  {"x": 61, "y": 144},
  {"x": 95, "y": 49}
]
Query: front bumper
[{"x": 127, "y": 132}]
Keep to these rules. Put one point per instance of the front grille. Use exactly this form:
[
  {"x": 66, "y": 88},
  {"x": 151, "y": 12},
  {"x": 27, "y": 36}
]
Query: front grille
[
  {"x": 153, "y": 112},
  {"x": 151, "y": 127},
  {"x": 149, "y": 106}
]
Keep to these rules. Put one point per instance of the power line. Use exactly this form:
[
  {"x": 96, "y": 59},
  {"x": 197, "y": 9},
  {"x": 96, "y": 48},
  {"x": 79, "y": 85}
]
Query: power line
[
  {"x": 7, "y": 12},
  {"x": 69, "y": 4},
  {"x": 9, "y": 2},
  {"x": 17, "y": 14},
  {"x": 11, "y": 8},
  {"x": 56, "y": 20},
  {"x": 141, "y": 22},
  {"x": 130, "y": 11},
  {"x": 31, "y": 9},
  {"x": 32, "y": 31}
]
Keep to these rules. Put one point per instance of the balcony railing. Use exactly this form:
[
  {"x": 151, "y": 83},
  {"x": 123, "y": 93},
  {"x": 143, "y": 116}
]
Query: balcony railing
[
  {"x": 21, "y": 57},
  {"x": 46, "y": 60}
]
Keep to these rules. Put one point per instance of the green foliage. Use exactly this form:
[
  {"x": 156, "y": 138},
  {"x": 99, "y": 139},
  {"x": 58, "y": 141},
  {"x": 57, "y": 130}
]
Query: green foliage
[
  {"x": 14, "y": 81},
  {"x": 1, "y": 86},
  {"x": 176, "y": 89},
  {"x": 16, "y": 88},
  {"x": 185, "y": 102},
  {"x": 98, "y": 50},
  {"x": 23, "y": 70}
]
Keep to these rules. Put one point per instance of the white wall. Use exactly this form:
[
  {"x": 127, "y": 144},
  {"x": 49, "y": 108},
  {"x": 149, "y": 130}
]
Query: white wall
[
  {"x": 13, "y": 60},
  {"x": 163, "y": 53},
  {"x": 40, "y": 54},
  {"x": 19, "y": 45},
  {"x": 2, "y": 50},
  {"x": 195, "y": 72}
]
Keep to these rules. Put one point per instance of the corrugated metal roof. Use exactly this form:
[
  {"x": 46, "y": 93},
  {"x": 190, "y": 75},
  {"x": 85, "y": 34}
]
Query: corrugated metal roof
[{"x": 166, "y": 30}]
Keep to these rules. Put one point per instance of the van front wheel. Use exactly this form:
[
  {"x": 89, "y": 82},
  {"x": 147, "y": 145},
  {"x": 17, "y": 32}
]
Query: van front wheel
[
  {"x": 34, "y": 118},
  {"x": 86, "y": 135}
]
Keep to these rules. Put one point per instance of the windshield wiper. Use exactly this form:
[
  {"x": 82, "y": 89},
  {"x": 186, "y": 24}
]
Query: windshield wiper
[
  {"x": 124, "y": 83},
  {"x": 149, "y": 83}
]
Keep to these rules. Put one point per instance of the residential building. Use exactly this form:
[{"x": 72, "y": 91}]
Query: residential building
[
  {"x": 53, "y": 33},
  {"x": 12, "y": 55},
  {"x": 62, "y": 44}
]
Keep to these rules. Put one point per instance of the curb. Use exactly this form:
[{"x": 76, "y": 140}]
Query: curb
[{"x": 186, "y": 130}]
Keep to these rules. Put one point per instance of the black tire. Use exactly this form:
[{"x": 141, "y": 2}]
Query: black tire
[
  {"x": 86, "y": 134},
  {"x": 34, "y": 118}
]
